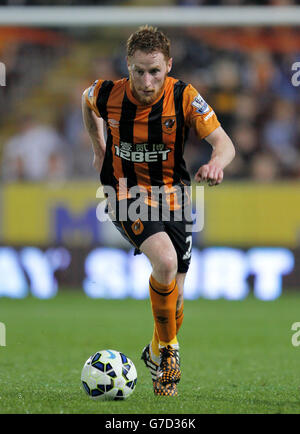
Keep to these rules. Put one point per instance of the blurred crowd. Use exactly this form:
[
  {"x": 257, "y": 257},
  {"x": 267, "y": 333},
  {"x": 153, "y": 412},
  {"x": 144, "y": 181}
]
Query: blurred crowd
[
  {"x": 149, "y": 2},
  {"x": 59, "y": 2},
  {"x": 257, "y": 106},
  {"x": 251, "y": 92}
]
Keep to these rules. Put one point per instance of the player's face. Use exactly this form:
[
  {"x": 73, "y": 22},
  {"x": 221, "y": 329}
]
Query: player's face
[{"x": 147, "y": 74}]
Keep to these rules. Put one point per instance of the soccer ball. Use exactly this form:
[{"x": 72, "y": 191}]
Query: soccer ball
[{"x": 108, "y": 375}]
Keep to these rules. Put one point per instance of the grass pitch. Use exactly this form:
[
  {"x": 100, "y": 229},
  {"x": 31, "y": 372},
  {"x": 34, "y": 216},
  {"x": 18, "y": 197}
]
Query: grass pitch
[{"x": 237, "y": 357}]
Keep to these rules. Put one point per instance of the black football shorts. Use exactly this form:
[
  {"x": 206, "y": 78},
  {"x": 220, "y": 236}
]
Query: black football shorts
[{"x": 137, "y": 231}]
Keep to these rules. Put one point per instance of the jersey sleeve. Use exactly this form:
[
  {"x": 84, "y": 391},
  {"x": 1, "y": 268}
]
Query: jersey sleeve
[
  {"x": 91, "y": 95},
  {"x": 198, "y": 114}
]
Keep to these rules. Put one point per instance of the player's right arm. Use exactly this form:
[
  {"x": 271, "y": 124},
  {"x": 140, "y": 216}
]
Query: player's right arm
[{"x": 94, "y": 125}]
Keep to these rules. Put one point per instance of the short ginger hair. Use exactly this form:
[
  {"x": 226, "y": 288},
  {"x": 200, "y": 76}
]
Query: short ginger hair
[{"x": 148, "y": 39}]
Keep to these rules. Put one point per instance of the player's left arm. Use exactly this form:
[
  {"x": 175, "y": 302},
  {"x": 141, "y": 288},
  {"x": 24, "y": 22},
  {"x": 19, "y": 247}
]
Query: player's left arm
[
  {"x": 223, "y": 153},
  {"x": 200, "y": 116}
]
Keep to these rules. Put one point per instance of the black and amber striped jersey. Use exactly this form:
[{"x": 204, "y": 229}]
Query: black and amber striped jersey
[{"x": 145, "y": 144}]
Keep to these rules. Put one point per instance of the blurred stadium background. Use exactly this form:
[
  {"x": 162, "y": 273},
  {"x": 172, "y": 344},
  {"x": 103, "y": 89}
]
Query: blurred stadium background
[{"x": 50, "y": 238}]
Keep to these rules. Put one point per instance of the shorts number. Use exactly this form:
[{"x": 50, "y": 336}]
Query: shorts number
[{"x": 188, "y": 253}]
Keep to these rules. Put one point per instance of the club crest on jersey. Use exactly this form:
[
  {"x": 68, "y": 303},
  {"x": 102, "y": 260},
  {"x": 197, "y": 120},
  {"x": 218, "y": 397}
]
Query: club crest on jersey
[
  {"x": 200, "y": 104},
  {"x": 168, "y": 124}
]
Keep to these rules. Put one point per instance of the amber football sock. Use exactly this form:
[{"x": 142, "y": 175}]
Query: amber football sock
[
  {"x": 155, "y": 343},
  {"x": 155, "y": 338},
  {"x": 179, "y": 318},
  {"x": 163, "y": 300}
]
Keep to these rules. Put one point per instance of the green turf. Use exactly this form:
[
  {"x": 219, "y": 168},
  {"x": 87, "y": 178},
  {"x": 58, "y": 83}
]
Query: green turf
[{"x": 237, "y": 357}]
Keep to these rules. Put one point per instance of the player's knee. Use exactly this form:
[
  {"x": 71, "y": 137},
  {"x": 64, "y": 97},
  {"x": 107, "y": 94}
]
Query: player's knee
[{"x": 166, "y": 267}]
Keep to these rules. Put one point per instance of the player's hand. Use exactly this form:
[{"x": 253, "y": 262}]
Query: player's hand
[
  {"x": 97, "y": 163},
  {"x": 211, "y": 172}
]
